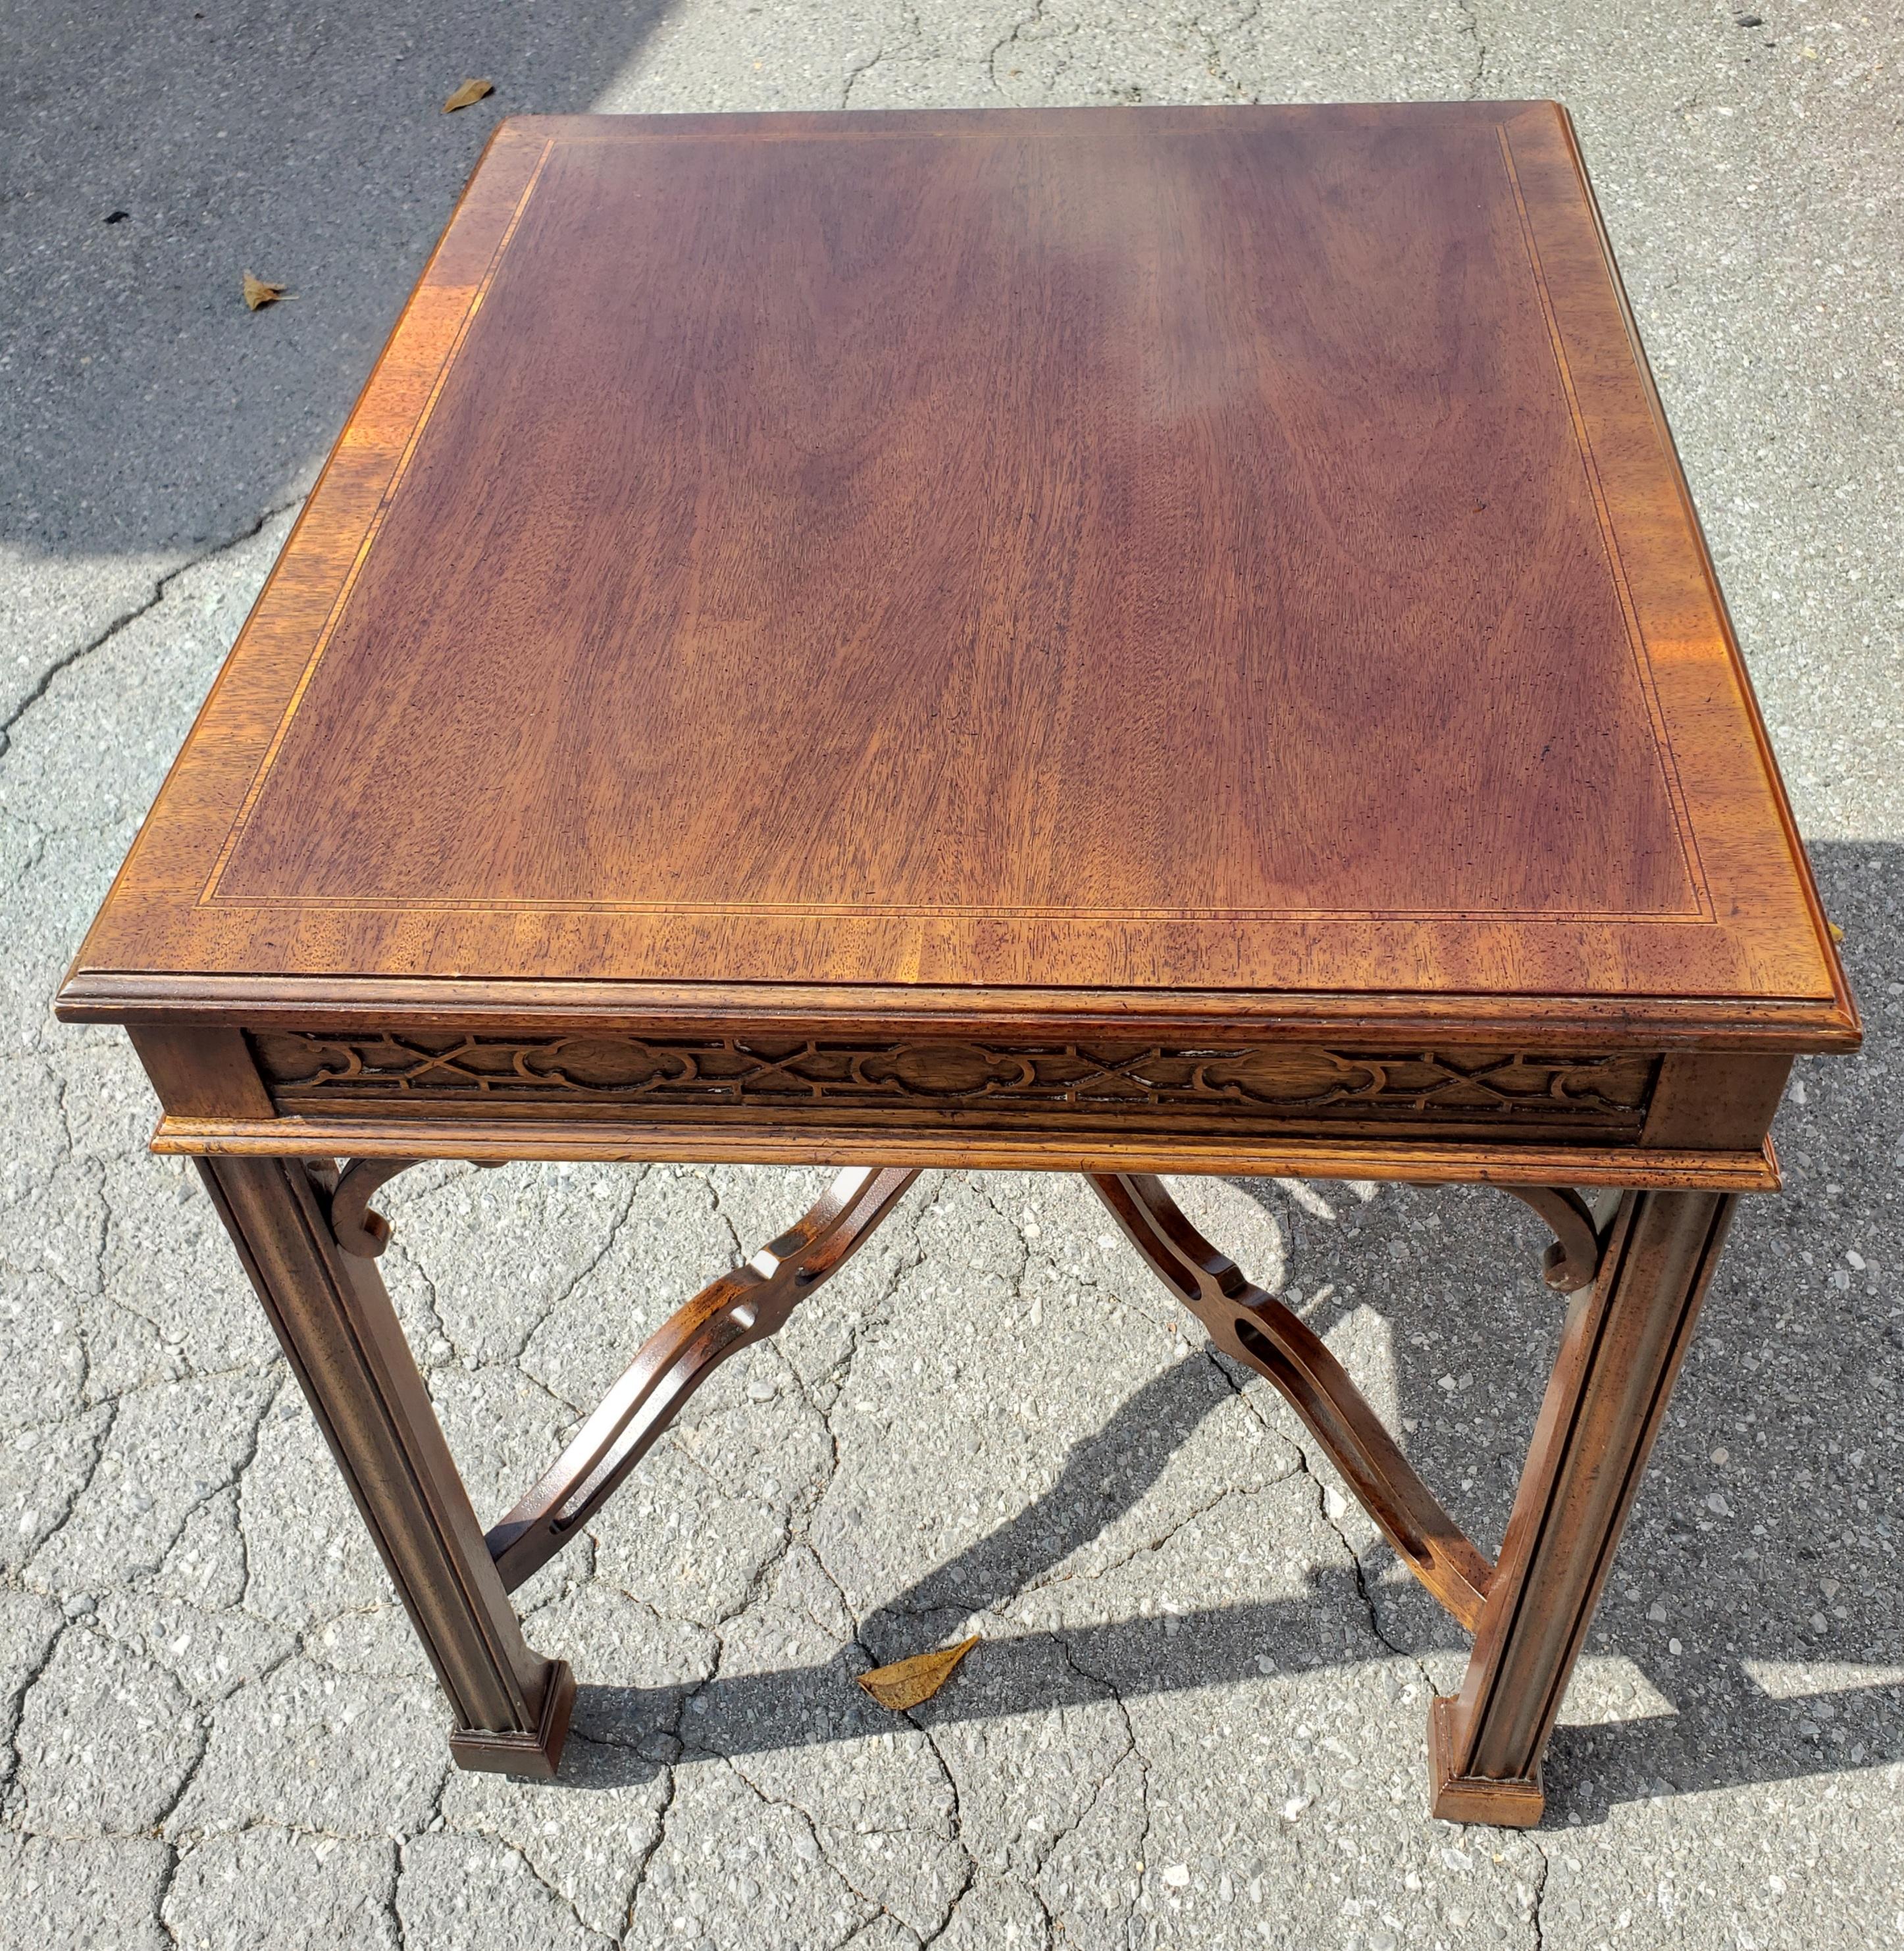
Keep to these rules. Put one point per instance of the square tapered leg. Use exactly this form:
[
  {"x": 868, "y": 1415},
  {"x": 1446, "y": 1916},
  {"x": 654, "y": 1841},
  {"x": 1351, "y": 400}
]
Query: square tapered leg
[
  {"x": 1625, "y": 1338},
  {"x": 336, "y": 1324}
]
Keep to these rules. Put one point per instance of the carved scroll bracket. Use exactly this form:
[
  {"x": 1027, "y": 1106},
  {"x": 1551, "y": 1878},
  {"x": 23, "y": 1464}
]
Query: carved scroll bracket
[
  {"x": 357, "y": 1229},
  {"x": 1574, "y": 1259}
]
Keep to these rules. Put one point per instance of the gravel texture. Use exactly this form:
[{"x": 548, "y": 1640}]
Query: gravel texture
[{"x": 1197, "y": 1714}]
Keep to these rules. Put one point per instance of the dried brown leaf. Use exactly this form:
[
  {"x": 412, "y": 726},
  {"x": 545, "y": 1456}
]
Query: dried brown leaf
[
  {"x": 258, "y": 293},
  {"x": 908, "y": 1682},
  {"x": 468, "y": 96}
]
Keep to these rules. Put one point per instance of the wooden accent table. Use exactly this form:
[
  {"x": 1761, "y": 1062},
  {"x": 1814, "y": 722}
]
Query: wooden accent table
[{"x": 1119, "y": 642}]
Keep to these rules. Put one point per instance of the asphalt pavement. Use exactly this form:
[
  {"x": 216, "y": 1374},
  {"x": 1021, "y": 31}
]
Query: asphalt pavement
[{"x": 1195, "y": 1716}]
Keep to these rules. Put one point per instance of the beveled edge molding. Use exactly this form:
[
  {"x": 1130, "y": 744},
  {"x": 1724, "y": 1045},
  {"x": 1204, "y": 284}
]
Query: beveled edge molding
[
  {"x": 1778, "y": 1026},
  {"x": 1245, "y": 1156},
  {"x": 1844, "y": 1004}
]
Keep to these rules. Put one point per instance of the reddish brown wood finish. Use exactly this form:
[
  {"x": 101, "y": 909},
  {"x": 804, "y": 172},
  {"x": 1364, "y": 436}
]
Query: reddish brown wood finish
[
  {"x": 339, "y": 1333},
  {"x": 1165, "y": 549},
  {"x": 1127, "y": 641},
  {"x": 1711, "y": 1102},
  {"x": 270, "y": 1003},
  {"x": 1109, "y": 416},
  {"x": 356, "y": 1228},
  {"x": 204, "y": 1073},
  {"x": 732, "y": 1313},
  {"x": 1256, "y": 1329},
  {"x": 1574, "y": 1259},
  {"x": 1624, "y": 1340}
]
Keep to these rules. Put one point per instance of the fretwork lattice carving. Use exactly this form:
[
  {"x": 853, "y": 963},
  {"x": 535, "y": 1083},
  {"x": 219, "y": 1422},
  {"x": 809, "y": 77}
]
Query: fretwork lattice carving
[{"x": 304, "y": 1066}]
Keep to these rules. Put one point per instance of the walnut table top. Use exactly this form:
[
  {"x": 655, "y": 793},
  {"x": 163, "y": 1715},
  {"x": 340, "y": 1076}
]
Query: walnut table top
[{"x": 1160, "y": 637}]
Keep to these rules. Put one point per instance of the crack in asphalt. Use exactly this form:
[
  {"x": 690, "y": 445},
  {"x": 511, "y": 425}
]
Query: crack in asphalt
[
  {"x": 233, "y": 1483},
  {"x": 911, "y": 33},
  {"x": 1034, "y": 18},
  {"x": 1217, "y": 60},
  {"x": 1131, "y": 1752},
  {"x": 200, "y": 1500},
  {"x": 1051, "y": 1580},
  {"x": 671, "y": 1790},
  {"x": 513, "y": 1358},
  {"x": 110, "y": 1405},
  {"x": 853, "y": 71},
  {"x": 616, "y": 1225},
  {"x": 859, "y": 1645},
  {"x": 1323, "y": 1491},
  {"x": 1228, "y": 1369},
  {"x": 161, "y": 588},
  {"x": 391, "y": 1909},
  {"x": 16, "y": 1705},
  {"x": 528, "y": 1863},
  {"x": 1539, "y": 1889},
  {"x": 787, "y": 1801},
  {"x": 872, "y": 1905},
  {"x": 173, "y": 1857},
  {"x": 957, "y": 1823},
  {"x": 1470, "y": 11}
]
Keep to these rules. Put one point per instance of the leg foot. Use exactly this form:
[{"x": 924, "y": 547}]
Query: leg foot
[
  {"x": 538, "y": 1755},
  {"x": 1515, "y": 1803}
]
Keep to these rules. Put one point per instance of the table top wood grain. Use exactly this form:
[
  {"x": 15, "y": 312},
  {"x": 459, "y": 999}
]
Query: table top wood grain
[{"x": 1057, "y": 563}]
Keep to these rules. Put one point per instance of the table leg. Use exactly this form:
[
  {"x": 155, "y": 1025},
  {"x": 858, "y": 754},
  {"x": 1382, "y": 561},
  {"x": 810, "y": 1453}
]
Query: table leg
[
  {"x": 1624, "y": 1339},
  {"x": 338, "y": 1329}
]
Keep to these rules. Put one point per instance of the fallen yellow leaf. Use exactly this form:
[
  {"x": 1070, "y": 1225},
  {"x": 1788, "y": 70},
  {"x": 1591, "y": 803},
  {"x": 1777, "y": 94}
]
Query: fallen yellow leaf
[
  {"x": 470, "y": 92},
  {"x": 908, "y": 1682},
  {"x": 1838, "y": 933},
  {"x": 258, "y": 294}
]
